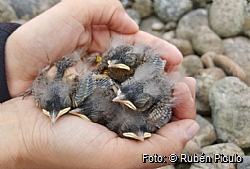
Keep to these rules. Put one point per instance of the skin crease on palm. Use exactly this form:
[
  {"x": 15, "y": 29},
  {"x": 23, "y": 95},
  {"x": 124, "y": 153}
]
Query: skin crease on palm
[{"x": 29, "y": 140}]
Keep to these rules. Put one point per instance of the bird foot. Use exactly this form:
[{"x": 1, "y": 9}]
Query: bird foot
[{"x": 25, "y": 93}]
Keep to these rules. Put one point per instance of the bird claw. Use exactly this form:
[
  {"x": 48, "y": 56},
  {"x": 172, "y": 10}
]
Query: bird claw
[{"x": 25, "y": 93}]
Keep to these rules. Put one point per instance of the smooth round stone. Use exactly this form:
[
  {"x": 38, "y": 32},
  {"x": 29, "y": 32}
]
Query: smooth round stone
[
  {"x": 157, "y": 26},
  {"x": 226, "y": 17},
  {"x": 28, "y": 9},
  {"x": 227, "y": 149},
  {"x": 7, "y": 13},
  {"x": 229, "y": 101},
  {"x": 172, "y": 10},
  {"x": 192, "y": 64},
  {"x": 168, "y": 35},
  {"x": 143, "y": 7},
  {"x": 170, "y": 26},
  {"x": 205, "y": 79},
  {"x": 205, "y": 40},
  {"x": 183, "y": 45},
  {"x": 190, "y": 23},
  {"x": 146, "y": 23}
]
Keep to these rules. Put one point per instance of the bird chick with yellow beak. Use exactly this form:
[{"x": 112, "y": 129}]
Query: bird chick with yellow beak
[
  {"x": 55, "y": 85},
  {"x": 122, "y": 61}
]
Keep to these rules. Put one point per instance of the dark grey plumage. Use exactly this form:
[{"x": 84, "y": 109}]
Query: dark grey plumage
[
  {"x": 55, "y": 85},
  {"x": 96, "y": 105},
  {"x": 126, "y": 123},
  {"x": 149, "y": 92},
  {"x": 99, "y": 108},
  {"x": 122, "y": 61}
]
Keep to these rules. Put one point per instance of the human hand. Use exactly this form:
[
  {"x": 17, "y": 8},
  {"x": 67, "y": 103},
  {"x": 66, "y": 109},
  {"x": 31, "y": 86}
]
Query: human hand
[
  {"x": 66, "y": 26},
  {"x": 30, "y": 141}
]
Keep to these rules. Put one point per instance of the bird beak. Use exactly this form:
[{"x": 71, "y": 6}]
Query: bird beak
[
  {"x": 120, "y": 99},
  {"x": 77, "y": 111},
  {"x": 112, "y": 64},
  {"x": 140, "y": 136},
  {"x": 54, "y": 115}
]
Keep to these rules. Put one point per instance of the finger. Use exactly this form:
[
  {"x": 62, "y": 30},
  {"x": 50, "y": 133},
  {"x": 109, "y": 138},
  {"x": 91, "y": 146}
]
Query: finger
[
  {"x": 184, "y": 103},
  {"x": 191, "y": 83},
  {"x": 167, "y": 51},
  {"x": 170, "y": 139},
  {"x": 109, "y": 12}
]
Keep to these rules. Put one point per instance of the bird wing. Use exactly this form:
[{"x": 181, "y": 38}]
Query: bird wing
[{"x": 154, "y": 66}]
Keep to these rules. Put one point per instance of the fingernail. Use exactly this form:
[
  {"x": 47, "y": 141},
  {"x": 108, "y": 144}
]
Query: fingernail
[{"x": 192, "y": 131}]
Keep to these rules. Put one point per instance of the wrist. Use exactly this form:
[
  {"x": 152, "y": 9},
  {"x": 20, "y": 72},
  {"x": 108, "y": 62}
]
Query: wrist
[{"x": 5, "y": 31}]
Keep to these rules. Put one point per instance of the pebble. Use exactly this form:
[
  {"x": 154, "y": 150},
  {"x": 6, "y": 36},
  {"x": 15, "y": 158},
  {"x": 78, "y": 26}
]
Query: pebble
[
  {"x": 170, "y": 26},
  {"x": 143, "y": 7},
  {"x": 226, "y": 17},
  {"x": 189, "y": 23},
  {"x": 205, "y": 79},
  {"x": 172, "y": 10},
  {"x": 168, "y": 35},
  {"x": 227, "y": 149},
  {"x": 7, "y": 13},
  {"x": 229, "y": 66},
  {"x": 192, "y": 64},
  {"x": 146, "y": 24},
  {"x": 237, "y": 49},
  {"x": 245, "y": 164},
  {"x": 157, "y": 26},
  {"x": 126, "y": 3},
  {"x": 205, "y": 40},
  {"x": 183, "y": 45},
  {"x": 204, "y": 137},
  {"x": 230, "y": 103},
  {"x": 28, "y": 9},
  {"x": 246, "y": 25},
  {"x": 207, "y": 60}
]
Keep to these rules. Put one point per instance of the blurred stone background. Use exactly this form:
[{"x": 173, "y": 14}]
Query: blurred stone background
[{"x": 214, "y": 38}]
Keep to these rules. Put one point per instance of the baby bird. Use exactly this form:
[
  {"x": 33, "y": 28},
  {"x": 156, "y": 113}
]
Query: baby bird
[
  {"x": 96, "y": 104},
  {"x": 54, "y": 87},
  {"x": 122, "y": 61},
  {"x": 138, "y": 92},
  {"x": 98, "y": 107},
  {"x": 128, "y": 124},
  {"x": 149, "y": 92}
]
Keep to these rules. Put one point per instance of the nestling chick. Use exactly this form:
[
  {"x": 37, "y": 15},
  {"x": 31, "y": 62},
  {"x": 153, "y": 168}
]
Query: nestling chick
[
  {"x": 54, "y": 87},
  {"x": 96, "y": 104},
  {"x": 149, "y": 92},
  {"x": 126, "y": 123},
  {"x": 141, "y": 91},
  {"x": 98, "y": 107},
  {"x": 122, "y": 61}
]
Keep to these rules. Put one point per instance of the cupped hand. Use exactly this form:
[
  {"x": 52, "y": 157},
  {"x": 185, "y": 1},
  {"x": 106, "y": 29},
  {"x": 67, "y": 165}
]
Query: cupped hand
[
  {"x": 28, "y": 138},
  {"x": 68, "y": 25}
]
